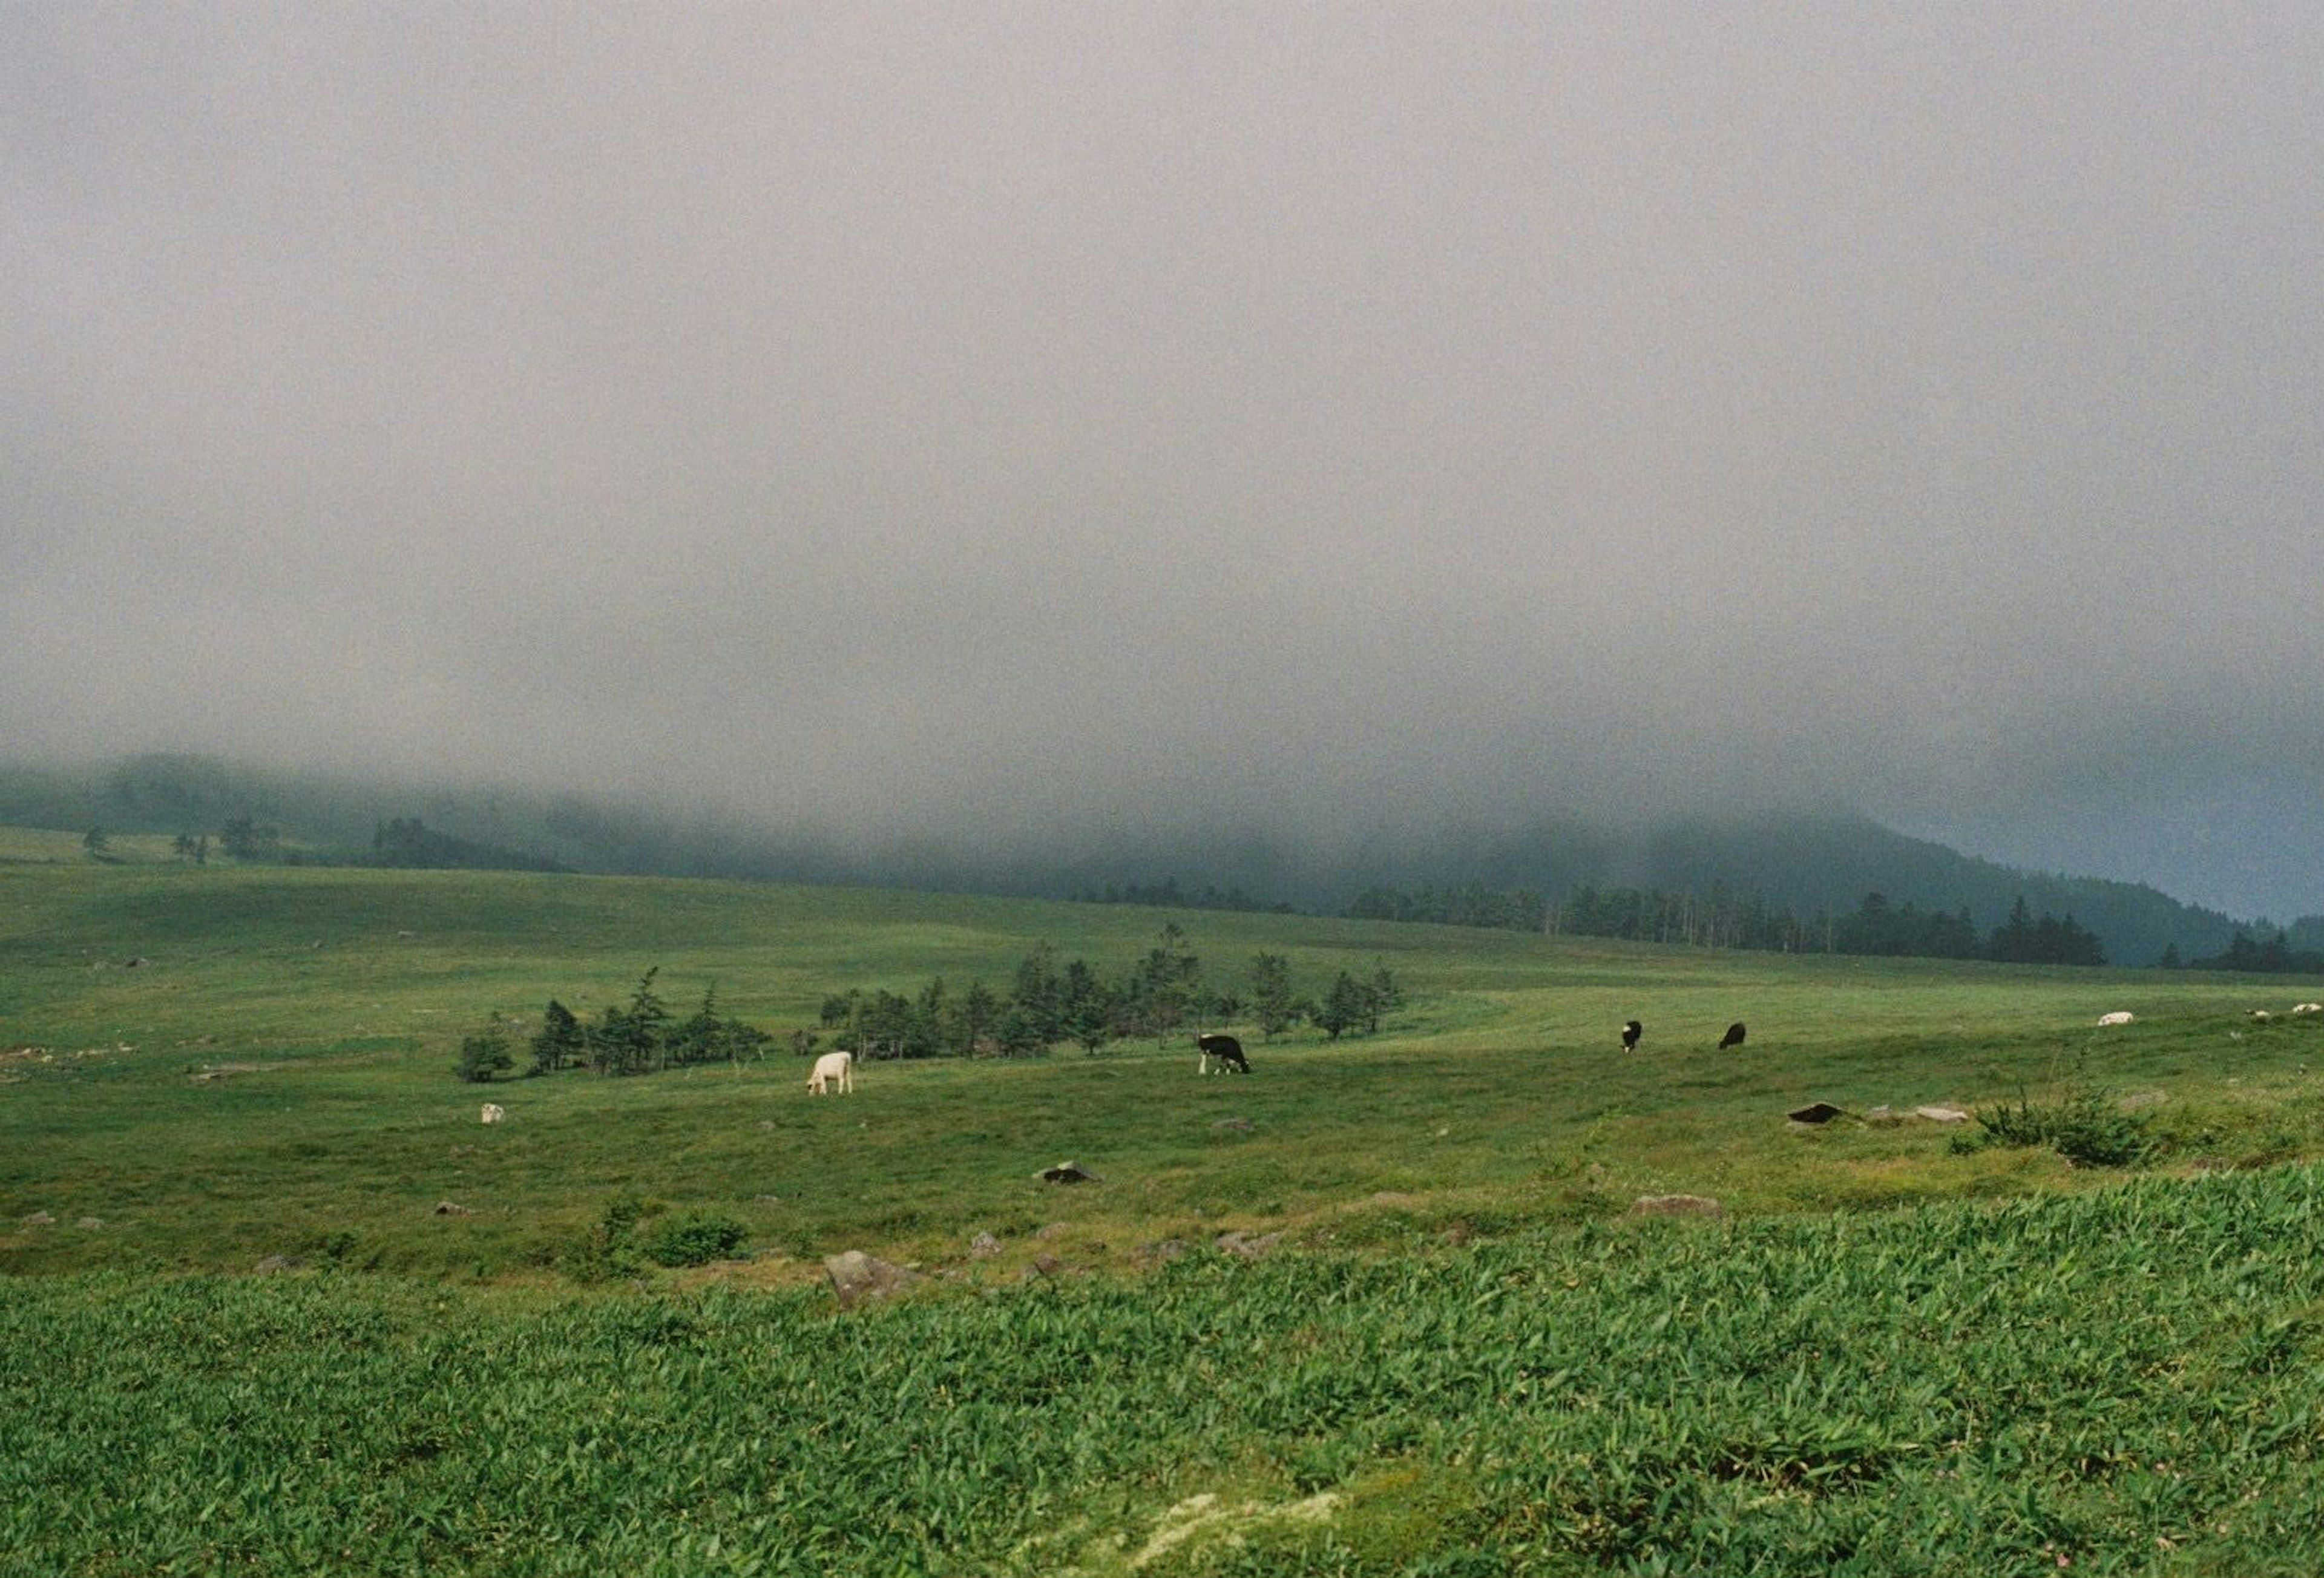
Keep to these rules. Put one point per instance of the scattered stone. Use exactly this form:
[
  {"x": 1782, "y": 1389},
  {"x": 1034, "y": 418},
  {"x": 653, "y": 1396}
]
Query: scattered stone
[
  {"x": 1249, "y": 1246},
  {"x": 1169, "y": 1249},
  {"x": 1047, "y": 1265},
  {"x": 1052, "y": 1230},
  {"x": 38, "y": 1219},
  {"x": 1815, "y": 1112},
  {"x": 1242, "y": 1123},
  {"x": 89, "y": 1223},
  {"x": 766, "y": 1200},
  {"x": 136, "y": 964},
  {"x": 985, "y": 1246},
  {"x": 279, "y": 1263},
  {"x": 767, "y": 1123},
  {"x": 1674, "y": 1205},
  {"x": 1940, "y": 1114},
  {"x": 1065, "y": 1172},
  {"x": 447, "y": 1208},
  {"x": 856, "y": 1276},
  {"x": 1882, "y": 1116}
]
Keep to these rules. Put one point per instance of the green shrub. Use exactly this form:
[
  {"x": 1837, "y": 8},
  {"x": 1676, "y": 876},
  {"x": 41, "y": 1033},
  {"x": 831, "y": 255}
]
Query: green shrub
[
  {"x": 2082, "y": 1125},
  {"x": 695, "y": 1239},
  {"x": 483, "y": 1056}
]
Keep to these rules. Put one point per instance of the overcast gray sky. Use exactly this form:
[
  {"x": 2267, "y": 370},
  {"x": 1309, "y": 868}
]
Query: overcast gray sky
[{"x": 1014, "y": 419}]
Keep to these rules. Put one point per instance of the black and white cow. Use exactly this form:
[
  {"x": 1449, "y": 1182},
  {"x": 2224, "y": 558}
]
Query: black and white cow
[
  {"x": 1630, "y": 1034},
  {"x": 1225, "y": 1048}
]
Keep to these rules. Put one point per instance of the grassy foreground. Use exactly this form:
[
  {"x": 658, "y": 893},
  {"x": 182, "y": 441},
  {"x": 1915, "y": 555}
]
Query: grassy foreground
[
  {"x": 2128, "y": 1381},
  {"x": 1464, "y": 1356}
]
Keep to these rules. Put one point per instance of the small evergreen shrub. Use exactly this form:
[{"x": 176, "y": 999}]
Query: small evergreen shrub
[{"x": 695, "y": 1239}]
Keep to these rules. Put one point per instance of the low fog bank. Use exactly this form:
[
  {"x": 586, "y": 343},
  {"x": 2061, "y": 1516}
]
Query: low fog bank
[{"x": 1051, "y": 437}]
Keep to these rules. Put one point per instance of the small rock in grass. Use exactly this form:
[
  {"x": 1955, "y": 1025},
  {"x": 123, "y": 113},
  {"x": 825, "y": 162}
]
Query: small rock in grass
[
  {"x": 1937, "y": 1114},
  {"x": 1052, "y": 1230},
  {"x": 447, "y": 1208},
  {"x": 90, "y": 1224},
  {"x": 983, "y": 1245},
  {"x": 1814, "y": 1113},
  {"x": 279, "y": 1263},
  {"x": 856, "y": 1276},
  {"x": 37, "y": 1219},
  {"x": 1674, "y": 1205},
  {"x": 1249, "y": 1245},
  {"x": 1242, "y": 1123}
]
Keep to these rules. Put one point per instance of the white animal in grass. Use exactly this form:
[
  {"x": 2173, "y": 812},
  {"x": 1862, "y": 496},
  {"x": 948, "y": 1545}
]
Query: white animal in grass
[
  {"x": 495, "y": 1113},
  {"x": 833, "y": 1068},
  {"x": 2120, "y": 1016},
  {"x": 2307, "y": 1008}
]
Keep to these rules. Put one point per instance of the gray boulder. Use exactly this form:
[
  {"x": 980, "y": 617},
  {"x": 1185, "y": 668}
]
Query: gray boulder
[{"x": 856, "y": 1276}]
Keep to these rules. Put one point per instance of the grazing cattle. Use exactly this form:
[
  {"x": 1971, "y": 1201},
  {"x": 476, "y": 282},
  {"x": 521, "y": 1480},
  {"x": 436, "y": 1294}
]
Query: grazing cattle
[
  {"x": 2261, "y": 1015},
  {"x": 833, "y": 1067},
  {"x": 1631, "y": 1031},
  {"x": 1733, "y": 1038},
  {"x": 2307, "y": 1008},
  {"x": 1225, "y": 1048},
  {"x": 493, "y": 1113},
  {"x": 2120, "y": 1016}
]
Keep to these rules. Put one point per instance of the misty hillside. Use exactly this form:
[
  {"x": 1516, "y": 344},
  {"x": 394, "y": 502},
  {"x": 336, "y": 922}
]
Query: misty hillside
[{"x": 1821, "y": 863}]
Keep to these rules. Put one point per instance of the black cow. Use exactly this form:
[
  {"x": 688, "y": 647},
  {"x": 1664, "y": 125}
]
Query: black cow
[
  {"x": 1225, "y": 1048},
  {"x": 1733, "y": 1038},
  {"x": 1630, "y": 1034}
]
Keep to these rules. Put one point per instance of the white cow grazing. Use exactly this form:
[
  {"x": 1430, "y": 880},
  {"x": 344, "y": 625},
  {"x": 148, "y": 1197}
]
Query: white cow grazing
[
  {"x": 493, "y": 1113},
  {"x": 2307, "y": 1008},
  {"x": 2120, "y": 1016},
  {"x": 839, "y": 1067}
]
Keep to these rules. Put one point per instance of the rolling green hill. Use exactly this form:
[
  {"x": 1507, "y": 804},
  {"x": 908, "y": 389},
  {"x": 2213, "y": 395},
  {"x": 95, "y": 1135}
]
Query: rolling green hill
[
  {"x": 1819, "y": 864},
  {"x": 224, "y": 1063}
]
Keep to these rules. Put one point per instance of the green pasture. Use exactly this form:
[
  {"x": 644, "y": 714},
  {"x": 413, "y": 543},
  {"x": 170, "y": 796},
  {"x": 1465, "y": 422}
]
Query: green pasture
[
  {"x": 1458, "y": 1350},
  {"x": 223, "y": 1065}
]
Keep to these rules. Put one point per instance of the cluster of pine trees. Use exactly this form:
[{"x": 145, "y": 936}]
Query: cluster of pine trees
[
  {"x": 641, "y": 1036},
  {"x": 1049, "y": 1003}
]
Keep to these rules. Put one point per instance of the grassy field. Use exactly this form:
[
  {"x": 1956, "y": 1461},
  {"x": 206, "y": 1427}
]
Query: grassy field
[{"x": 1451, "y": 1363}]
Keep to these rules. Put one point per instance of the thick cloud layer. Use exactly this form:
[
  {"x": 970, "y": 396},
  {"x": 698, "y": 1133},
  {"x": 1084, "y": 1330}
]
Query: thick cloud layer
[{"x": 1043, "y": 420}]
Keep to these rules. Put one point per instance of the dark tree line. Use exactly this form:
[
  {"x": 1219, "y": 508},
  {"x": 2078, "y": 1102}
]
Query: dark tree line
[
  {"x": 1504, "y": 910},
  {"x": 1878, "y": 927},
  {"x": 2271, "y": 955},
  {"x": 410, "y": 844},
  {"x": 1166, "y": 894}
]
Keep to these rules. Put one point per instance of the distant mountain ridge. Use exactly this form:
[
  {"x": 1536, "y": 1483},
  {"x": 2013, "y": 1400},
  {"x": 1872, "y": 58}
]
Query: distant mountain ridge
[{"x": 1821, "y": 862}]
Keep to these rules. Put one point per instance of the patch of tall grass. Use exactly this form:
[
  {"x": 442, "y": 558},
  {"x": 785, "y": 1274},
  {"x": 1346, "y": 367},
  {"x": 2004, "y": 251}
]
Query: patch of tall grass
[{"x": 2126, "y": 1380}]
